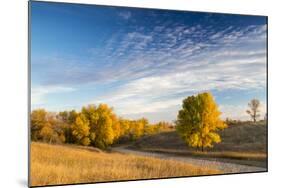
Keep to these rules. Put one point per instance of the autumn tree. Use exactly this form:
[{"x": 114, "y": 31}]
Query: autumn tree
[
  {"x": 81, "y": 130},
  {"x": 199, "y": 120},
  {"x": 124, "y": 126},
  {"x": 137, "y": 128},
  {"x": 90, "y": 112},
  {"x": 150, "y": 130},
  {"x": 116, "y": 127},
  {"x": 104, "y": 132},
  {"x": 45, "y": 127},
  {"x": 101, "y": 124},
  {"x": 53, "y": 131},
  {"x": 157, "y": 128},
  {"x": 254, "y": 111},
  {"x": 49, "y": 135},
  {"x": 65, "y": 120},
  {"x": 38, "y": 121},
  {"x": 162, "y": 126}
]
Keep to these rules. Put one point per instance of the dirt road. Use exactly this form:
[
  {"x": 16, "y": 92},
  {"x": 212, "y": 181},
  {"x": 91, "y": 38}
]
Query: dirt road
[{"x": 222, "y": 166}]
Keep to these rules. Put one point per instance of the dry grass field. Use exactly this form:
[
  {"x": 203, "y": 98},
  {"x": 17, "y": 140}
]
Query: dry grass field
[{"x": 68, "y": 164}]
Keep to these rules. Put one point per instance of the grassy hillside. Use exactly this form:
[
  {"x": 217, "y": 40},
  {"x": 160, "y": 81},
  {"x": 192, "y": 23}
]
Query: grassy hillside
[
  {"x": 249, "y": 138},
  {"x": 243, "y": 144},
  {"x": 67, "y": 164}
]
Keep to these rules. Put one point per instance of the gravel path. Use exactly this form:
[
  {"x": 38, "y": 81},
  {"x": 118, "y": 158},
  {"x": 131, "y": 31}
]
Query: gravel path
[{"x": 222, "y": 166}]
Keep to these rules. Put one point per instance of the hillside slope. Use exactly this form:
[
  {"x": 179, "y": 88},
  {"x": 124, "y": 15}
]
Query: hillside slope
[{"x": 248, "y": 138}]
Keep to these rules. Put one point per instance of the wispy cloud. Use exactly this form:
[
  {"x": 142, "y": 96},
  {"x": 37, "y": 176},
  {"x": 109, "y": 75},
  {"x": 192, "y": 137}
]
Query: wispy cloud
[
  {"x": 39, "y": 93},
  {"x": 125, "y": 14}
]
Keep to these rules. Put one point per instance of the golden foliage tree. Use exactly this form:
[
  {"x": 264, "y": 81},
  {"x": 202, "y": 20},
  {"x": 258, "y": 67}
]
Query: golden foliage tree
[
  {"x": 137, "y": 128},
  {"x": 199, "y": 120},
  {"x": 65, "y": 120},
  {"x": 45, "y": 127},
  {"x": 124, "y": 126},
  {"x": 38, "y": 121},
  {"x": 49, "y": 134},
  {"x": 116, "y": 127},
  {"x": 81, "y": 130},
  {"x": 102, "y": 120},
  {"x": 104, "y": 132}
]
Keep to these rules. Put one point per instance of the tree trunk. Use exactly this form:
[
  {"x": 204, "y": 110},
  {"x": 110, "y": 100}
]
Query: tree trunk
[{"x": 202, "y": 148}]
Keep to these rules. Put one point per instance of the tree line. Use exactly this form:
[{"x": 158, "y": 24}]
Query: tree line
[
  {"x": 96, "y": 126},
  {"x": 198, "y": 124}
]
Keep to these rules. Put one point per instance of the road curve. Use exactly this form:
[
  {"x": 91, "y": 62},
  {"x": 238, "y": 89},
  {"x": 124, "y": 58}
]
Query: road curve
[{"x": 225, "y": 167}]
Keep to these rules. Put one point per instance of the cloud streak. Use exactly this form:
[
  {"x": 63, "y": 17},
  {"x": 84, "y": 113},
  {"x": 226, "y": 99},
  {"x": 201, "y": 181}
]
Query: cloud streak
[
  {"x": 40, "y": 93},
  {"x": 125, "y": 14}
]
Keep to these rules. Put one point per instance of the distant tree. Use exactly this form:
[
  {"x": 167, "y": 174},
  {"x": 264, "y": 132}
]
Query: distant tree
[
  {"x": 48, "y": 134},
  {"x": 157, "y": 128},
  {"x": 199, "y": 120},
  {"x": 254, "y": 106},
  {"x": 116, "y": 127},
  {"x": 65, "y": 120},
  {"x": 150, "y": 130},
  {"x": 45, "y": 127},
  {"x": 71, "y": 118},
  {"x": 81, "y": 130},
  {"x": 162, "y": 125},
  {"x": 137, "y": 128},
  {"x": 63, "y": 116},
  {"x": 124, "y": 126}
]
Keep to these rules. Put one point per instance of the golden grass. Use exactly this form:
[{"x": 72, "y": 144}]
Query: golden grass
[
  {"x": 58, "y": 164},
  {"x": 213, "y": 154}
]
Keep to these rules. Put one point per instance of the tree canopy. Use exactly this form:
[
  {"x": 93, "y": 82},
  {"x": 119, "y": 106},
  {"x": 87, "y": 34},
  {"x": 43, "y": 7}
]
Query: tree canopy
[{"x": 199, "y": 120}]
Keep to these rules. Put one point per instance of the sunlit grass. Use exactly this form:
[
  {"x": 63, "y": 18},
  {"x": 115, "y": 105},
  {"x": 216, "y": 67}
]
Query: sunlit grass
[
  {"x": 55, "y": 164},
  {"x": 212, "y": 154}
]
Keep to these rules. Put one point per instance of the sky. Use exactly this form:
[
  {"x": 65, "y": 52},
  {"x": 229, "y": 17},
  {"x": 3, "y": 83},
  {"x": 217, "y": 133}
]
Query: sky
[{"x": 144, "y": 62}]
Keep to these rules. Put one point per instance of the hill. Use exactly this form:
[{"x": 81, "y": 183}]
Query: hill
[
  {"x": 250, "y": 138},
  {"x": 244, "y": 144}
]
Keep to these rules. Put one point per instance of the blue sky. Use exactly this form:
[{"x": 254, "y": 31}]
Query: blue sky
[{"x": 144, "y": 62}]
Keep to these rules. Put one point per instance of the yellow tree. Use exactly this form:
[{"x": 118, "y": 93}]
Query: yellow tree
[
  {"x": 104, "y": 133},
  {"x": 90, "y": 112},
  {"x": 124, "y": 126},
  {"x": 64, "y": 121},
  {"x": 116, "y": 127},
  {"x": 137, "y": 128},
  {"x": 38, "y": 121},
  {"x": 199, "y": 120},
  {"x": 81, "y": 130},
  {"x": 101, "y": 121},
  {"x": 45, "y": 127},
  {"x": 47, "y": 134}
]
